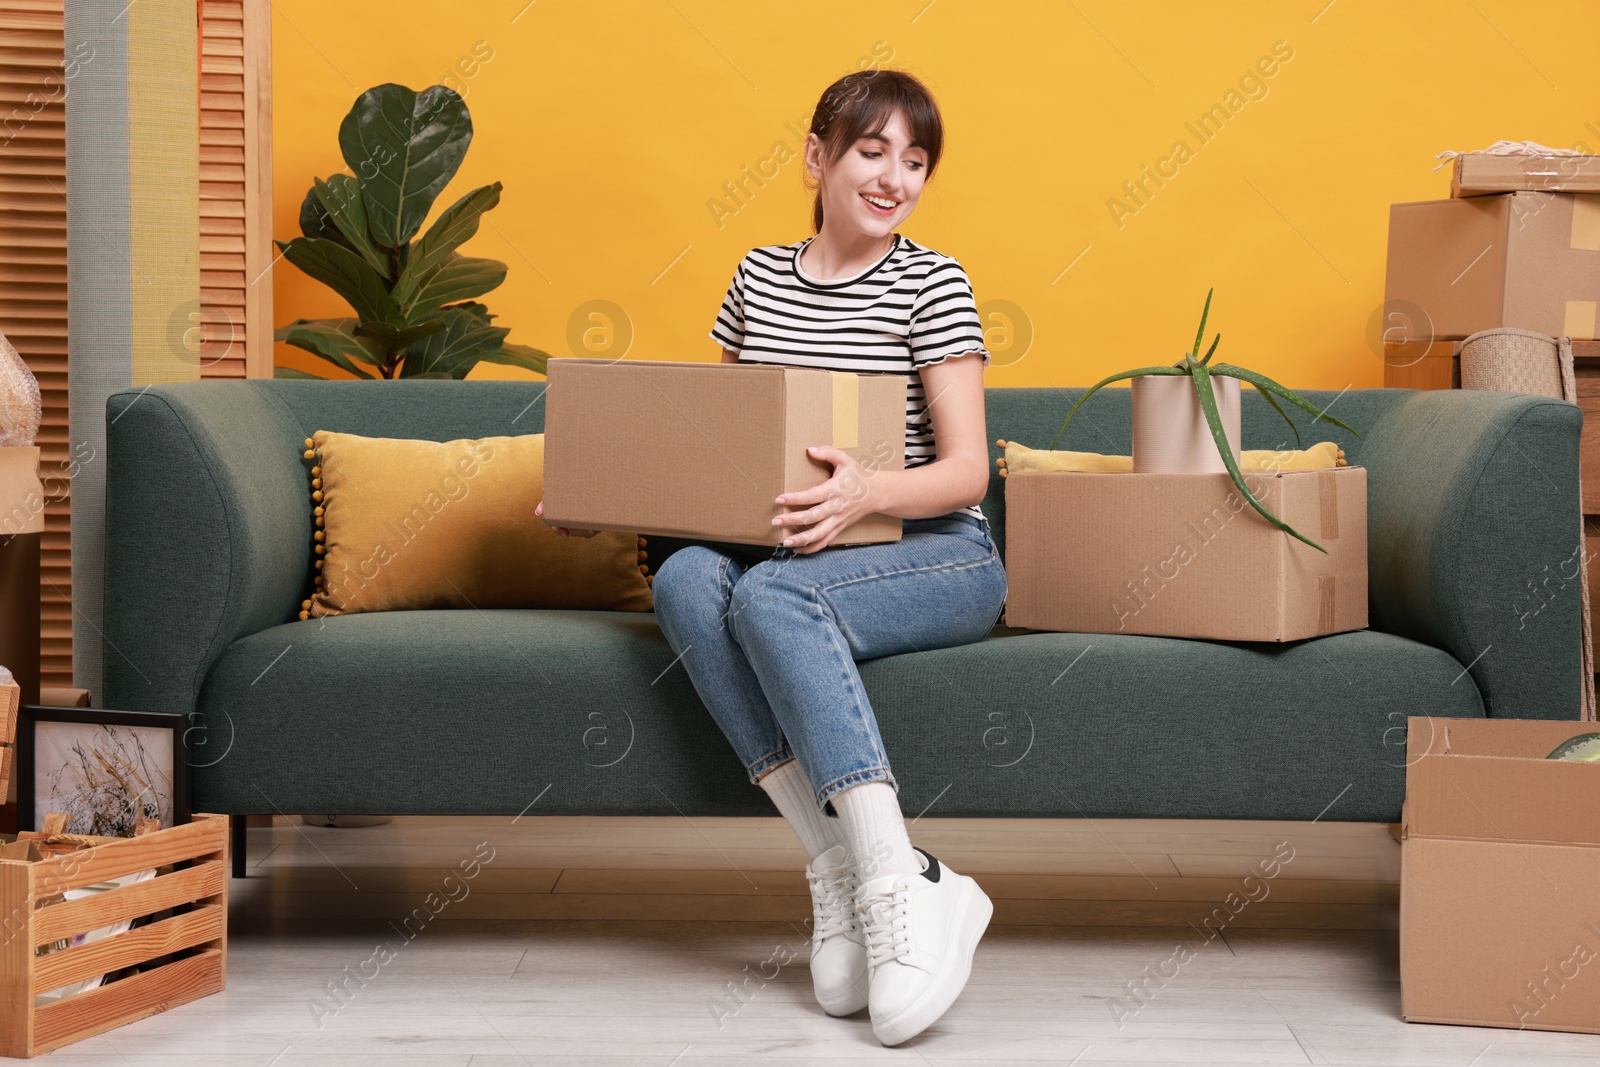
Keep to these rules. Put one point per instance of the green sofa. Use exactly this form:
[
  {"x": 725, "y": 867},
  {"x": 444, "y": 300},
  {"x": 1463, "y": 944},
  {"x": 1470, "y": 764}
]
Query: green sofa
[{"x": 1474, "y": 526}]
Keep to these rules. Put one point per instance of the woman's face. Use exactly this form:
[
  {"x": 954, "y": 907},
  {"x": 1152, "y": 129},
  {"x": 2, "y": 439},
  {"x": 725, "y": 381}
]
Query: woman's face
[{"x": 884, "y": 167}]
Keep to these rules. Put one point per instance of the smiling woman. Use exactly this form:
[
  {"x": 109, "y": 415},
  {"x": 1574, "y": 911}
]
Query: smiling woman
[{"x": 771, "y": 644}]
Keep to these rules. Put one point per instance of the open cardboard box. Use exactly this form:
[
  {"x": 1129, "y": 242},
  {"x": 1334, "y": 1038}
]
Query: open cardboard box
[
  {"x": 1185, "y": 555},
  {"x": 1499, "y": 876},
  {"x": 701, "y": 450}
]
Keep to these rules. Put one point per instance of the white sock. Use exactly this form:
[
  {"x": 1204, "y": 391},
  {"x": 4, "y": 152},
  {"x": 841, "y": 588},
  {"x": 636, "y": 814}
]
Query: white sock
[
  {"x": 797, "y": 803},
  {"x": 874, "y": 830}
]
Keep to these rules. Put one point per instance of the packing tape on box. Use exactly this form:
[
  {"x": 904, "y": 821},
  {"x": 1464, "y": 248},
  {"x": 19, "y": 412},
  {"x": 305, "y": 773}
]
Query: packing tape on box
[
  {"x": 1579, "y": 321},
  {"x": 846, "y": 408},
  {"x": 1328, "y": 499},
  {"x": 1579, "y": 318},
  {"x": 1325, "y": 587},
  {"x": 1328, "y": 523},
  {"x": 1585, "y": 223}
]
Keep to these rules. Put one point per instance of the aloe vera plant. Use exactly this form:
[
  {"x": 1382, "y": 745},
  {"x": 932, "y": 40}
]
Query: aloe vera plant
[
  {"x": 416, "y": 312},
  {"x": 1201, "y": 370}
]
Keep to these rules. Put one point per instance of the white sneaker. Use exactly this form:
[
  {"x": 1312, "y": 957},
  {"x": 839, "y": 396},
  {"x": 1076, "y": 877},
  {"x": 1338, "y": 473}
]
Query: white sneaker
[
  {"x": 921, "y": 931},
  {"x": 838, "y": 947}
]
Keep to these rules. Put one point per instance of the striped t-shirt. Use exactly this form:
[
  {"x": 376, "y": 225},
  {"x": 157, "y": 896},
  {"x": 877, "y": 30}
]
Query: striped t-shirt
[{"x": 912, "y": 308}]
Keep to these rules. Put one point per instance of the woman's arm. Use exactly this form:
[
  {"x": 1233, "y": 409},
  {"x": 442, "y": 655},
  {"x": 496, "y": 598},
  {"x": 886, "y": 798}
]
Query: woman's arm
[
  {"x": 960, "y": 474},
  {"x": 729, "y": 356}
]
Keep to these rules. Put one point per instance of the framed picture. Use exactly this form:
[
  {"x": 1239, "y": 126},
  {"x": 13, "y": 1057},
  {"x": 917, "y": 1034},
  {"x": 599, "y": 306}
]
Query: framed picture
[{"x": 104, "y": 769}]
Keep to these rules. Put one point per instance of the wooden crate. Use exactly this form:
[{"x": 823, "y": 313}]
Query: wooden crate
[
  {"x": 10, "y": 701},
  {"x": 196, "y": 886}
]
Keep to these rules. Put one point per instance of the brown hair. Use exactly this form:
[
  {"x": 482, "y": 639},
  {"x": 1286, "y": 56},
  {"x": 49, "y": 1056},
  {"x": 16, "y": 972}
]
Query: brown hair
[{"x": 862, "y": 103}]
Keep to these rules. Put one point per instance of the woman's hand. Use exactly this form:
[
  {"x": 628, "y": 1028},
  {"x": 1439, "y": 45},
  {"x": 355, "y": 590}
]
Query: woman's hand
[
  {"x": 563, "y": 531},
  {"x": 833, "y": 505}
]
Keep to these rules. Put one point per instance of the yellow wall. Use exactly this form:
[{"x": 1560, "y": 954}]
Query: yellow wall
[{"x": 614, "y": 124}]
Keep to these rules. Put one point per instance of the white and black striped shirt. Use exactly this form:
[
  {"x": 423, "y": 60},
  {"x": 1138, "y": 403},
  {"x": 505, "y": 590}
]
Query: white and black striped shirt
[{"x": 912, "y": 308}]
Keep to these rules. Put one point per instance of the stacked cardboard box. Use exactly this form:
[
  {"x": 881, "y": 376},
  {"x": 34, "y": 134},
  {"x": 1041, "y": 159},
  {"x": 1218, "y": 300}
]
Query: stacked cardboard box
[
  {"x": 1479, "y": 173},
  {"x": 1517, "y": 244}
]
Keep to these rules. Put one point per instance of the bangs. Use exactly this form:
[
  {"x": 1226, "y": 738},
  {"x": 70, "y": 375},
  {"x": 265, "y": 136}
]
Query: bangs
[{"x": 862, "y": 104}]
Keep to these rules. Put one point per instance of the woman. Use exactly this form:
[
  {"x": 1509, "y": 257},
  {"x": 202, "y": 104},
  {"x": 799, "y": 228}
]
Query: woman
[{"x": 771, "y": 643}]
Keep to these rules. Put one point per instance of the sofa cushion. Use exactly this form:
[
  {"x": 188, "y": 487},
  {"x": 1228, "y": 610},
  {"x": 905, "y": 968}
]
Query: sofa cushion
[
  {"x": 588, "y": 712},
  {"x": 406, "y": 524}
]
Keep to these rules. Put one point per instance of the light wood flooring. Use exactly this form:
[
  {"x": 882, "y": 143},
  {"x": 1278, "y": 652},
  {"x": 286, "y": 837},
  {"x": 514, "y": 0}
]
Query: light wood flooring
[{"x": 674, "y": 941}]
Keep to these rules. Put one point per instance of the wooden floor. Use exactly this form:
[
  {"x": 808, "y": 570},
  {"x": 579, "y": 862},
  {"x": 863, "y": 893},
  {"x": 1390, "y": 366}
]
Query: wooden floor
[{"x": 674, "y": 942}]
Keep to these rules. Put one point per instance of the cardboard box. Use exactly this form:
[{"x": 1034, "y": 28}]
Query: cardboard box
[
  {"x": 1529, "y": 260},
  {"x": 1499, "y": 860},
  {"x": 1478, "y": 173},
  {"x": 700, "y": 450},
  {"x": 1185, "y": 555}
]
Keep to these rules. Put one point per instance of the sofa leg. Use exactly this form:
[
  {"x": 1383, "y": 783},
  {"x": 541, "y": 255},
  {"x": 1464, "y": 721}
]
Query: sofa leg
[{"x": 237, "y": 837}]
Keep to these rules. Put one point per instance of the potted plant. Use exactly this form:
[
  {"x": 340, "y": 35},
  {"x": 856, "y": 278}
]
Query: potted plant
[
  {"x": 415, "y": 316},
  {"x": 1201, "y": 392}
]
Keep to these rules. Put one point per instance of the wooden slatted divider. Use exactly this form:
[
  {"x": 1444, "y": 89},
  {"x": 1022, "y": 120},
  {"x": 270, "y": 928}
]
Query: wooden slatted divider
[
  {"x": 235, "y": 190},
  {"x": 235, "y": 321},
  {"x": 33, "y": 281}
]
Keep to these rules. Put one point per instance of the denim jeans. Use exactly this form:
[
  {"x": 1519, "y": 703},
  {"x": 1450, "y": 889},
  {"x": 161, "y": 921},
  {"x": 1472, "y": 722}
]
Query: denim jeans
[{"x": 771, "y": 643}]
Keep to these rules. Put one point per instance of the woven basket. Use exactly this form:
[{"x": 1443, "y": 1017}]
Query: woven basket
[{"x": 1522, "y": 361}]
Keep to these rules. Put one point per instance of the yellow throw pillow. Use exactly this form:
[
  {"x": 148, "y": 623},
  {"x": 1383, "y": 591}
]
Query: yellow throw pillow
[
  {"x": 406, "y": 525},
  {"x": 1020, "y": 457}
]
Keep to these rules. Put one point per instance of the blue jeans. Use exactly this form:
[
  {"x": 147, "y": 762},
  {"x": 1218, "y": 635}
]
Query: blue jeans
[{"x": 771, "y": 643}]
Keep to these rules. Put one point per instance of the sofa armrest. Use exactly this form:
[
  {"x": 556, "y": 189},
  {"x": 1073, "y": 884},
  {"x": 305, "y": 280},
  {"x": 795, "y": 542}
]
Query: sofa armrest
[
  {"x": 1475, "y": 532},
  {"x": 208, "y": 534}
]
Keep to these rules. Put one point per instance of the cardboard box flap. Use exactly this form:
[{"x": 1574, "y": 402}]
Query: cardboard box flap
[{"x": 1490, "y": 780}]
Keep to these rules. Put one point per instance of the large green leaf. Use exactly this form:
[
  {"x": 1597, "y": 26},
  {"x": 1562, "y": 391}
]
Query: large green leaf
[
  {"x": 315, "y": 220},
  {"x": 473, "y": 306},
  {"x": 457, "y": 278},
  {"x": 1208, "y": 404},
  {"x": 456, "y": 349},
  {"x": 331, "y": 339},
  {"x": 344, "y": 332},
  {"x": 448, "y": 232},
  {"x": 1137, "y": 373},
  {"x": 512, "y": 355},
  {"x": 346, "y": 273},
  {"x": 393, "y": 340},
  {"x": 340, "y": 195},
  {"x": 403, "y": 147}
]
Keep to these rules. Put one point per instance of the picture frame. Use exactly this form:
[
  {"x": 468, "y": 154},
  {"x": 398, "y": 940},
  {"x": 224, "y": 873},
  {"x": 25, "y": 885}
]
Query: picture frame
[{"x": 103, "y": 768}]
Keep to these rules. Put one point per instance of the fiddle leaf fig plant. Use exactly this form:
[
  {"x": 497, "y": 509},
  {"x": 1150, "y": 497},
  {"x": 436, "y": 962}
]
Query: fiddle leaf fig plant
[
  {"x": 416, "y": 315},
  {"x": 1201, "y": 370}
]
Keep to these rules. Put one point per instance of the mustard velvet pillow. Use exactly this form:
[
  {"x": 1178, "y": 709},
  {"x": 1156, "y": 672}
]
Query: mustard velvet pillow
[
  {"x": 1020, "y": 457},
  {"x": 405, "y": 525}
]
